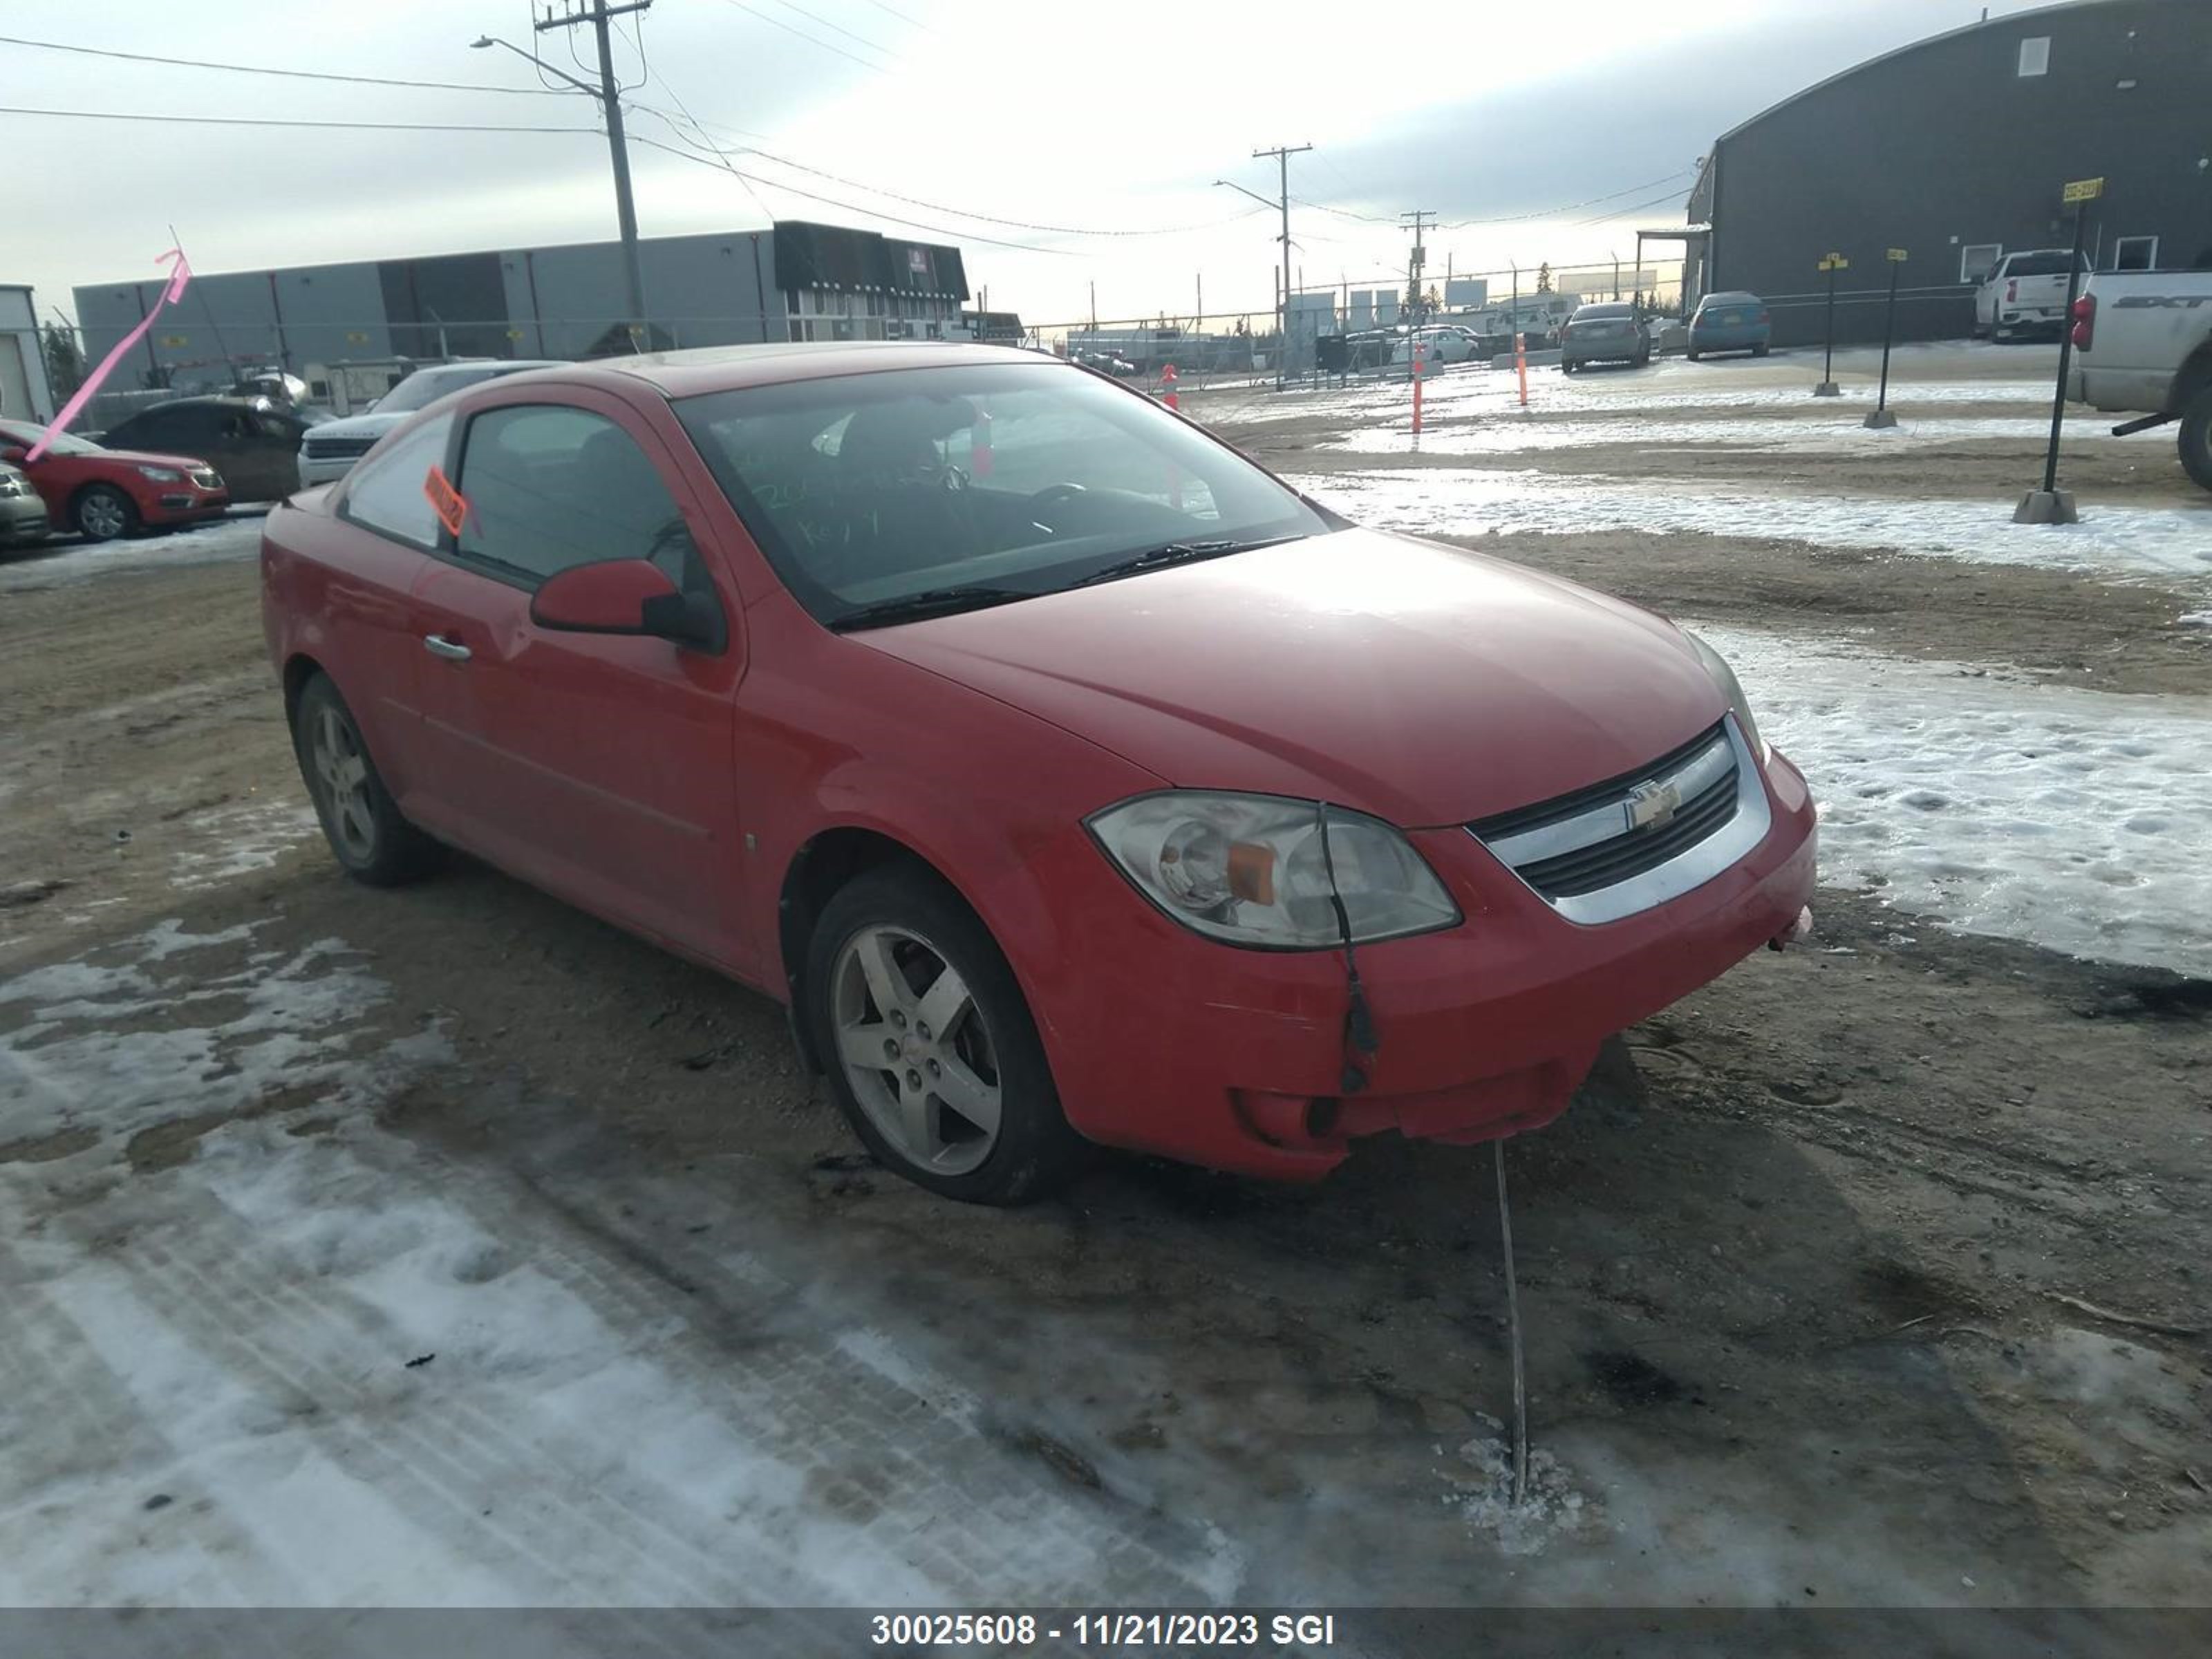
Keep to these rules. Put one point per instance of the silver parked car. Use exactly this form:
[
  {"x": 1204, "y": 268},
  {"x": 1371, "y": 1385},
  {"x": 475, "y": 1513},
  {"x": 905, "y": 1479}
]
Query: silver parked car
[{"x": 1610, "y": 333}]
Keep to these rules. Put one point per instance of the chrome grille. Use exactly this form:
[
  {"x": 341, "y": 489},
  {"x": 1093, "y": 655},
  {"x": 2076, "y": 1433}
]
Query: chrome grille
[
  {"x": 334, "y": 449},
  {"x": 1609, "y": 850}
]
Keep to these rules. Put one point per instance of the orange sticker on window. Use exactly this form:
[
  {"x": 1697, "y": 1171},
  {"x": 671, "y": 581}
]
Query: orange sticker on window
[{"x": 450, "y": 505}]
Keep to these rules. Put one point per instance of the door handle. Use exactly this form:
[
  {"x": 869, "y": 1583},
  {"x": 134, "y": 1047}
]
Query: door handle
[{"x": 438, "y": 646}]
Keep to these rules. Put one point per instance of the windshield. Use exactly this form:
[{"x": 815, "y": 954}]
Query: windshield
[
  {"x": 426, "y": 385},
  {"x": 24, "y": 434},
  {"x": 864, "y": 489}
]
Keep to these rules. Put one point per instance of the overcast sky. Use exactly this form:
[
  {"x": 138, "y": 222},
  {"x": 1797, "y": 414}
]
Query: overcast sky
[{"x": 1574, "y": 124}]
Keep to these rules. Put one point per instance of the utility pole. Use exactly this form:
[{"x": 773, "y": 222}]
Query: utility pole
[
  {"x": 1413, "y": 265},
  {"x": 599, "y": 14},
  {"x": 1282, "y": 153}
]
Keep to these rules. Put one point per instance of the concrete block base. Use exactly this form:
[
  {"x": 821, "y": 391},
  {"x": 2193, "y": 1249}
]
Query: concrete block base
[
  {"x": 1827, "y": 389},
  {"x": 2046, "y": 506},
  {"x": 1878, "y": 420}
]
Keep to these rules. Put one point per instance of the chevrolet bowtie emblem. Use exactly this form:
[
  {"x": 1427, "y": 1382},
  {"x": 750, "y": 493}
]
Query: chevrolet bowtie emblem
[{"x": 1650, "y": 804}]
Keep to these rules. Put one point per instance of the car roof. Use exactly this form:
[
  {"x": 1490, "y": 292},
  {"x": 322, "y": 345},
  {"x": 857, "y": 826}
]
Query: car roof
[
  {"x": 477, "y": 365},
  {"x": 1729, "y": 296},
  {"x": 209, "y": 400},
  {"x": 703, "y": 369},
  {"x": 1606, "y": 308}
]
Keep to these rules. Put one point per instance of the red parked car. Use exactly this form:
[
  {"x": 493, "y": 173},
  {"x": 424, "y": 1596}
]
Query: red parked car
[
  {"x": 103, "y": 493},
  {"x": 1070, "y": 777}
]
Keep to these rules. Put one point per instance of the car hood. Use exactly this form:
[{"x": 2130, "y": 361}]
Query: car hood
[
  {"x": 1421, "y": 682},
  {"x": 149, "y": 457},
  {"x": 356, "y": 426}
]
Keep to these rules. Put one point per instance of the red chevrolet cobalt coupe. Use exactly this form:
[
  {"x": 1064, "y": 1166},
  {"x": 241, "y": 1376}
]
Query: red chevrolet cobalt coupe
[{"x": 1071, "y": 778}]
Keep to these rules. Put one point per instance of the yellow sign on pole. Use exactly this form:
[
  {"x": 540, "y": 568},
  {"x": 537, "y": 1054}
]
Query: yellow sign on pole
[
  {"x": 1897, "y": 256},
  {"x": 1835, "y": 262},
  {"x": 2081, "y": 190},
  {"x": 356, "y": 339},
  {"x": 174, "y": 340}
]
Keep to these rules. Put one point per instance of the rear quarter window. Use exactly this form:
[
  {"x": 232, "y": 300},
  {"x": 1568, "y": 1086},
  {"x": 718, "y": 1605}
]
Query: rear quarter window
[{"x": 386, "y": 493}]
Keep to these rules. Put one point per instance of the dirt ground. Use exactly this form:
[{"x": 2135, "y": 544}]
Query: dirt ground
[{"x": 1875, "y": 1273}]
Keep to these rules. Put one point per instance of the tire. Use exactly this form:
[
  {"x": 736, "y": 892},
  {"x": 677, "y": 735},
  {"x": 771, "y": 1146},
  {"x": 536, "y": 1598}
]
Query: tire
[
  {"x": 101, "y": 512},
  {"x": 1565, "y": 367},
  {"x": 1758, "y": 351},
  {"x": 887, "y": 931},
  {"x": 1690, "y": 356},
  {"x": 2197, "y": 439},
  {"x": 371, "y": 840}
]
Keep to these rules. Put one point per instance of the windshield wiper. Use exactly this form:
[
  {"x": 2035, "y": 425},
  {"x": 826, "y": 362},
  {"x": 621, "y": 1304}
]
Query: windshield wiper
[
  {"x": 930, "y": 601},
  {"x": 1177, "y": 553}
]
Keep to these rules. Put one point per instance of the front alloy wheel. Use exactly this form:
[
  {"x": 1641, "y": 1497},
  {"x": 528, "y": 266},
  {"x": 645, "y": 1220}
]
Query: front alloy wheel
[
  {"x": 928, "y": 1042},
  {"x": 105, "y": 513},
  {"x": 917, "y": 1055},
  {"x": 369, "y": 837}
]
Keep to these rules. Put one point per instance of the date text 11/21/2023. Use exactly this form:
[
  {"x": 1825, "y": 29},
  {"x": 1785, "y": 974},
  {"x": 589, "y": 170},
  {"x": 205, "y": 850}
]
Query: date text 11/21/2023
[{"x": 1280, "y": 1631}]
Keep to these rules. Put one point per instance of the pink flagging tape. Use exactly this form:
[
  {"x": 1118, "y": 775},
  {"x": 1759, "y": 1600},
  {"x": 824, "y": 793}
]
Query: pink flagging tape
[{"x": 171, "y": 293}]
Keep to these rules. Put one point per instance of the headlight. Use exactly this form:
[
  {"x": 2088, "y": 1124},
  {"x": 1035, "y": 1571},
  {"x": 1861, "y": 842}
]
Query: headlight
[
  {"x": 1724, "y": 676},
  {"x": 1253, "y": 869},
  {"x": 161, "y": 474}
]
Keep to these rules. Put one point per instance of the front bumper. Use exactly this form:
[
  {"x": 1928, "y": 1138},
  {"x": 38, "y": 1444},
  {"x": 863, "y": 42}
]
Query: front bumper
[
  {"x": 23, "y": 519},
  {"x": 184, "y": 503},
  {"x": 1171, "y": 1043}
]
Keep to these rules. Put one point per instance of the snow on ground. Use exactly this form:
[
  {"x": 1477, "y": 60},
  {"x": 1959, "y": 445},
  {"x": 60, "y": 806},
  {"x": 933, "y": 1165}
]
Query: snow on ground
[
  {"x": 261, "y": 1352},
  {"x": 236, "y": 535},
  {"x": 1671, "y": 384},
  {"x": 2071, "y": 819},
  {"x": 1846, "y": 435},
  {"x": 2167, "y": 542},
  {"x": 251, "y": 835}
]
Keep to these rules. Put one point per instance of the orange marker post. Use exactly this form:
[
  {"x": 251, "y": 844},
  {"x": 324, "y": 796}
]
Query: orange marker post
[
  {"x": 1168, "y": 386},
  {"x": 1520, "y": 363},
  {"x": 1417, "y": 388}
]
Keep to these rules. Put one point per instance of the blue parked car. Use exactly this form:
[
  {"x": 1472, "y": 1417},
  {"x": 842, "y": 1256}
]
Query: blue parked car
[{"x": 1729, "y": 322}]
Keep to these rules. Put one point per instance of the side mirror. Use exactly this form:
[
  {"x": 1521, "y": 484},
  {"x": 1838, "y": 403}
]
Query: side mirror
[
  {"x": 13, "y": 454},
  {"x": 628, "y": 596}
]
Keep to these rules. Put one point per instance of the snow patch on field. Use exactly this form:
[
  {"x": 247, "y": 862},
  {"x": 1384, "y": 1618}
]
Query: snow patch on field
[
  {"x": 2167, "y": 542},
  {"x": 237, "y": 535},
  {"x": 240, "y": 840},
  {"x": 355, "y": 1371},
  {"x": 2071, "y": 819},
  {"x": 1506, "y": 435}
]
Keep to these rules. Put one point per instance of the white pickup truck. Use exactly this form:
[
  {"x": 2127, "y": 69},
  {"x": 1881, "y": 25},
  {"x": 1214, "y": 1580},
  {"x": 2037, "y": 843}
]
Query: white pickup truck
[
  {"x": 2025, "y": 293},
  {"x": 2142, "y": 343}
]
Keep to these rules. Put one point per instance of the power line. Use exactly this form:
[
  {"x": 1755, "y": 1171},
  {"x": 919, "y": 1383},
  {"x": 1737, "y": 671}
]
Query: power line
[
  {"x": 940, "y": 207},
  {"x": 1617, "y": 213},
  {"x": 849, "y": 206},
  {"x": 817, "y": 18},
  {"x": 812, "y": 39},
  {"x": 290, "y": 75},
  {"x": 267, "y": 121},
  {"x": 1570, "y": 207}
]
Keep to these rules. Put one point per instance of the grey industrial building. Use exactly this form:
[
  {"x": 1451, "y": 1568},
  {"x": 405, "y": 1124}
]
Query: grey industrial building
[
  {"x": 1955, "y": 149},
  {"x": 795, "y": 281}
]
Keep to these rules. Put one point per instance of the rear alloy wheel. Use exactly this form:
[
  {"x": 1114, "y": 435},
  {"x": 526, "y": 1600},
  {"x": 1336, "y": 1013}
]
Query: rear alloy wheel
[
  {"x": 102, "y": 512},
  {"x": 367, "y": 835},
  {"x": 929, "y": 1046},
  {"x": 1690, "y": 355},
  {"x": 2197, "y": 439}
]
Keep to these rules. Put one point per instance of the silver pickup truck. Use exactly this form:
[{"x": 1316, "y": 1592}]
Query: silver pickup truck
[{"x": 2142, "y": 344}]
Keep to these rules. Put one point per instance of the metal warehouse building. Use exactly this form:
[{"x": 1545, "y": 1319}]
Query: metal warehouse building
[
  {"x": 796, "y": 280},
  {"x": 1954, "y": 149}
]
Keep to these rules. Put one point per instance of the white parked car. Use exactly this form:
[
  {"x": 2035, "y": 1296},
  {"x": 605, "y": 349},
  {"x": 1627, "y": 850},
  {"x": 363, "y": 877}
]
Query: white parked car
[
  {"x": 2025, "y": 293},
  {"x": 329, "y": 451},
  {"x": 1440, "y": 343}
]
